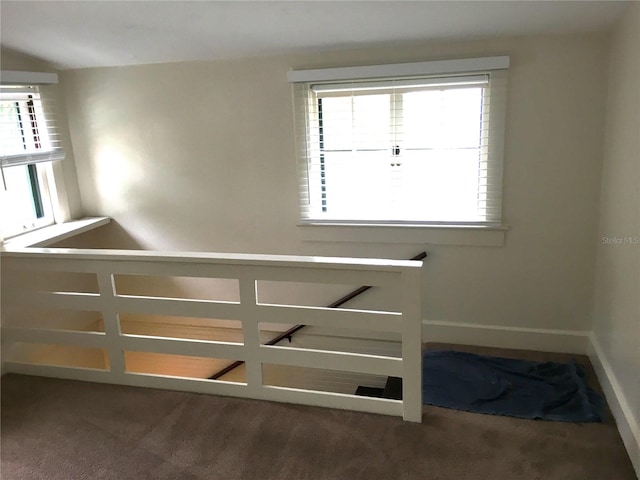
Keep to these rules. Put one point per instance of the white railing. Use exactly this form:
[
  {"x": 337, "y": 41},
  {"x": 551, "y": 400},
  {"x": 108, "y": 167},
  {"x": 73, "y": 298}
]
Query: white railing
[{"x": 403, "y": 278}]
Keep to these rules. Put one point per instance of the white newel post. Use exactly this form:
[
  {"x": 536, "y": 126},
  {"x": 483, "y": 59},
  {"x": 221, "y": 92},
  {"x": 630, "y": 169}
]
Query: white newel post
[{"x": 411, "y": 284}]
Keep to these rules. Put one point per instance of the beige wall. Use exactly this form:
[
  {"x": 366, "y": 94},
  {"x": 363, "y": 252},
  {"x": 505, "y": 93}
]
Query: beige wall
[
  {"x": 617, "y": 288},
  {"x": 66, "y": 181},
  {"x": 200, "y": 156}
]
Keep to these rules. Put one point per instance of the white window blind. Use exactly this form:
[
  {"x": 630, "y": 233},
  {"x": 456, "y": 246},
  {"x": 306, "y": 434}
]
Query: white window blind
[
  {"x": 423, "y": 149},
  {"x": 28, "y": 132}
]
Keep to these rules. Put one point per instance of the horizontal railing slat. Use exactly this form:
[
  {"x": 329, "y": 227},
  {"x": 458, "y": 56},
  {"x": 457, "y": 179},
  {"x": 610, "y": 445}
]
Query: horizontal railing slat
[
  {"x": 173, "y": 269},
  {"x": 196, "y": 385},
  {"x": 326, "y": 360},
  {"x": 61, "y": 300},
  {"x": 341, "y": 401},
  {"x": 178, "y": 307},
  {"x": 66, "y": 337},
  {"x": 182, "y": 384},
  {"x": 327, "y": 276},
  {"x": 55, "y": 371},
  {"x": 179, "y": 346},
  {"x": 331, "y": 317}
]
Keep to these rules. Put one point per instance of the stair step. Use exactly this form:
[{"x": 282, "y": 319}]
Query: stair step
[
  {"x": 391, "y": 390},
  {"x": 369, "y": 391}
]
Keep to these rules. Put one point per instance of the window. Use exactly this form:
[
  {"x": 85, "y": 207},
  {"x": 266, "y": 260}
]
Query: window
[
  {"x": 28, "y": 143},
  {"x": 389, "y": 148}
]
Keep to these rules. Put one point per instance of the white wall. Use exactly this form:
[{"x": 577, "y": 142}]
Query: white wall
[
  {"x": 616, "y": 322},
  {"x": 200, "y": 156}
]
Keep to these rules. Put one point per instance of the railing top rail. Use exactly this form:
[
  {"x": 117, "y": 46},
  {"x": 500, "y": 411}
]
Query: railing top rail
[{"x": 214, "y": 258}]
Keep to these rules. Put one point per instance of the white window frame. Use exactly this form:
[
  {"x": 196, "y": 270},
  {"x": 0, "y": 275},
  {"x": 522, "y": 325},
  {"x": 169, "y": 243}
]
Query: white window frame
[
  {"x": 44, "y": 177},
  {"x": 41, "y": 159},
  {"x": 494, "y": 67}
]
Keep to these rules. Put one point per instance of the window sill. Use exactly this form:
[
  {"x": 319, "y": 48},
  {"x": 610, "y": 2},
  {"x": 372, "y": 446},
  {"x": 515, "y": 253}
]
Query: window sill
[
  {"x": 468, "y": 235},
  {"x": 46, "y": 236}
]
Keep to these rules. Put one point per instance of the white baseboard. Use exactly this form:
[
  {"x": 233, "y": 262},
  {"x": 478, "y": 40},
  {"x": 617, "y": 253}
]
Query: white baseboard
[
  {"x": 628, "y": 425},
  {"x": 545, "y": 340}
]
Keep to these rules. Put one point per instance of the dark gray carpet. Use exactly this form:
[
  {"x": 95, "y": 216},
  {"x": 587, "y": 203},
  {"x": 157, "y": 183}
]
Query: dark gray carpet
[{"x": 58, "y": 429}]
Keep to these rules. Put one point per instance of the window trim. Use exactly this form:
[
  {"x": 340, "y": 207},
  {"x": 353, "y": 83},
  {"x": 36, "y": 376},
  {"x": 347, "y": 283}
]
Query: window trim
[
  {"x": 410, "y": 234},
  {"x": 434, "y": 67},
  {"x": 46, "y": 162},
  {"x": 305, "y": 80},
  {"x": 52, "y": 234},
  {"x": 16, "y": 77}
]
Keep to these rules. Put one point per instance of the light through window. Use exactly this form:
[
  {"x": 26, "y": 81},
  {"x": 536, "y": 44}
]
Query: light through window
[{"x": 405, "y": 150}]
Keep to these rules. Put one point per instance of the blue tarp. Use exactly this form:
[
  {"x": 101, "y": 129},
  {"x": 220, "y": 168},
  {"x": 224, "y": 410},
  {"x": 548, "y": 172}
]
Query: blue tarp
[{"x": 503, "y": 386}]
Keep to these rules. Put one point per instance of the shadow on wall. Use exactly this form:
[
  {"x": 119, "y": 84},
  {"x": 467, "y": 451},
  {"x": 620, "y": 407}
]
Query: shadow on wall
[{"x": 110, "y": 236}]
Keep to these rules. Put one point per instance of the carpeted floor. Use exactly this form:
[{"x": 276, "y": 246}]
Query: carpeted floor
[{"x": 58, "y": 429}]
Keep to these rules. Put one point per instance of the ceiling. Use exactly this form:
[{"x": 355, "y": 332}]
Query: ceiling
[{"x": 79, "y": 34}]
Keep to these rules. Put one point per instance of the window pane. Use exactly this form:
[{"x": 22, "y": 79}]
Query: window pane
[
  {"x": 358, "y": 185},
  {"x": 438, "y": 185},
  {"x": 18, "y": 208},
  {"x": 356, "y": 123},
  {"x": 442, "y": 118},
  {"x": 11, "y": 139}
]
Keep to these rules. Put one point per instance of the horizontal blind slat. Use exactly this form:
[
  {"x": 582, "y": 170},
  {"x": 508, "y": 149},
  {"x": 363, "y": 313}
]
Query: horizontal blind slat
[{"x": 28, "y": 126}]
